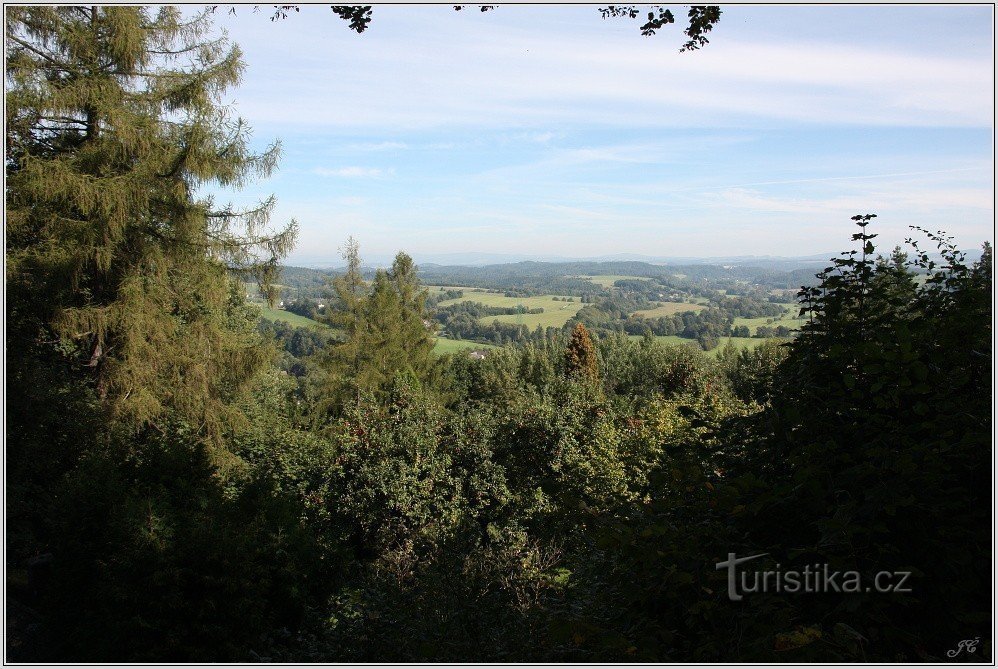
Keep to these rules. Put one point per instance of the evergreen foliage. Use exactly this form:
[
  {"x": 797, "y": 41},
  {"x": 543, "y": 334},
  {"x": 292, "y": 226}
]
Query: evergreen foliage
[
  {"x": 114, "y": 126},
  {"x": 385, "y": 326},
  {"x": 175, "y": 494}
]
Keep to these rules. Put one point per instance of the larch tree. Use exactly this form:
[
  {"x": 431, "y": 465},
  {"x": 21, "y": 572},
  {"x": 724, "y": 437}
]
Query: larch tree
[
  {"x": 580, "y": 355},
  {"x": 115, "y": 257}
]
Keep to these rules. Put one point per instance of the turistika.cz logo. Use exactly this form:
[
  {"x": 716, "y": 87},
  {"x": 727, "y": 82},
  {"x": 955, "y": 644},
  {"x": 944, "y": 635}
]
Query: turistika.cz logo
[{"x": 811, "y": 579}]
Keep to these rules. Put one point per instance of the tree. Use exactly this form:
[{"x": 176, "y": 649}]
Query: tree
[
  {"x": 580, "y": 355},
  {"x": 384, "y": 328},
  {"x": 414, "y": 330},
  {"x": 882, "y": 422},
  {"x": 381, "y": 341},
  {"x": 114, "y": 259},
  {"x": 349, "y": 290}
]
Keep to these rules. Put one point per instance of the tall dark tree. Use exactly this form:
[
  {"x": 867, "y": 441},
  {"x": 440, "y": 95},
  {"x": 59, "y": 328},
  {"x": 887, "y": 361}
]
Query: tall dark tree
[{"x": 115, "y": 259}]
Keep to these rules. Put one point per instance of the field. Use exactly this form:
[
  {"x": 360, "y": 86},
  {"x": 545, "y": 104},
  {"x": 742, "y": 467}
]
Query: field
[
  {"x": 556, "y": 312},
  {"x": 789, "y": 319},
  {"x": 552, "y": 319},
  {"x": 288, "y": 317},
  {"x": 442, "y": 345},
  {"x": 739, "y": 343},
  {"x": 607, "y": 280},
  {"x": 668, "y": 309}
]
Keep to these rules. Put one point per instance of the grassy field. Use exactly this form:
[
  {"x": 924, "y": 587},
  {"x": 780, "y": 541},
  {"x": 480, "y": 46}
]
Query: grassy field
[
  {"x": 550, "y": 318},
  {"x": 789, "y": 319},
  {"x": 556, "y": 312},
  {"x": 607, "y": 280},
  {"x": 442, "y": 345},
  {"x": 739, "y": 343},
  {"x": 668, "y": 309},
  {"x": 288, "y": 317}
]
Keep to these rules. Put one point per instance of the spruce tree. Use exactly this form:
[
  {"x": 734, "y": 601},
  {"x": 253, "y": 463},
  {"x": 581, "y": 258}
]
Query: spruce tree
[
  {"x": 348, "y": 314},
  {"x": 415, "y": 335},
  {"x": 115, "y": 257},
  {"x": 382, "y": 341},
  {"x": 383, "y": 328}
]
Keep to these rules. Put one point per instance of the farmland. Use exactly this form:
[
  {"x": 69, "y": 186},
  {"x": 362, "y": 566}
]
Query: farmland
[
  {"x": 669, "y": 309},
  {"x": 556, "y": 311},
  {"x": 293, "y": 319},
  {"x": 443, "y": 345}
]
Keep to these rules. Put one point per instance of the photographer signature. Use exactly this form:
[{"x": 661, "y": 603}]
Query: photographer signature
[{"x": 969, "y": 645}]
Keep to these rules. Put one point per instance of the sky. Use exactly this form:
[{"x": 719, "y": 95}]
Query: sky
[{"x": 546, "y": 130}]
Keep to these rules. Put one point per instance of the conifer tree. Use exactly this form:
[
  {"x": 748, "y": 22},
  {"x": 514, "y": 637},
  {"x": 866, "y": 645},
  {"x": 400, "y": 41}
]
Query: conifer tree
[
  {"x": 580, "y": 355},
  {"x": 349, "y": 291},
  {"x": 415, "y": 335},
  {"x": 115, "y": 257},
  {"x": 381, "y": 341},
  {"x": 384, "y": 332},
  {"x": 394, "y": 338}
]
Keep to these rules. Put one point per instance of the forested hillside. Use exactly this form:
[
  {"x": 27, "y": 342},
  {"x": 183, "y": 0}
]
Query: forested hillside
[{"x": 186, "y": 483}]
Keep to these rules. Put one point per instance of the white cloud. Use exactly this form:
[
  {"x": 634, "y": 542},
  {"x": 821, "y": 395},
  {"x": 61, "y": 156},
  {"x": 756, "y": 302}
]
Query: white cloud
[
  {"x": 408, "y": 72},
  {"x": 509, "y": 132}
]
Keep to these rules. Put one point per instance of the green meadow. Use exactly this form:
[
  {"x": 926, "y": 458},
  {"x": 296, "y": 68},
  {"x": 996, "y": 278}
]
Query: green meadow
[
  {"x": 556, "y": 312},
  {"x": 294, "y": 319},
  {"x": 443, "y": 345},
  {"x": 669, "y": 309}
]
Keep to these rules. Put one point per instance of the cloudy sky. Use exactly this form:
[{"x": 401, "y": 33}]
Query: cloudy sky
[{"x": 549, "y": 131}]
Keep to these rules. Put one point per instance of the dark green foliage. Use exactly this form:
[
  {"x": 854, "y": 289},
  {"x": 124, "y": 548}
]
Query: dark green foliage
[
  {"x": 890, "y": 427},
  {"x": 386, "y": 330},
  {"x": 109, "y": 254},
  {"x": 563, "y": 499}
]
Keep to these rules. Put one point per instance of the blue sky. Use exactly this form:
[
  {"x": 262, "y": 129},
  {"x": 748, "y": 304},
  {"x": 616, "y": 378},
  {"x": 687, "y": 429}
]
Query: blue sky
[{"x": 549, "y": 131}]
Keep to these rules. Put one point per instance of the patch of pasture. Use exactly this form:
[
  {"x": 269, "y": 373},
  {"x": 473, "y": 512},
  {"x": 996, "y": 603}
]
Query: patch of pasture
[
  {"x": 669, "y": 309},
  {"x": 556, "y": 312},
  {"x": 288, "y": 317},
  {"x": 443, "y": 345},
  {"x": 550, "y": 318}
]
